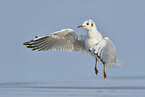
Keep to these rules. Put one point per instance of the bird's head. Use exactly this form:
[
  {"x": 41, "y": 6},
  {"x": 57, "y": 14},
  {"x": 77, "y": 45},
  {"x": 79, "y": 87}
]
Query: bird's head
[{"x": 88, "y": 25}]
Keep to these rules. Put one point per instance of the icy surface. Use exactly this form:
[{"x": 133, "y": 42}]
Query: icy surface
[{"x": 112, "y": 87}]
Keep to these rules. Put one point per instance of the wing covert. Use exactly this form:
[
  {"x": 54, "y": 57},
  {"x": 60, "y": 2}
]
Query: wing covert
[
  {"x": 65, "y": 39},
  {"x": 105, "y": 50}
]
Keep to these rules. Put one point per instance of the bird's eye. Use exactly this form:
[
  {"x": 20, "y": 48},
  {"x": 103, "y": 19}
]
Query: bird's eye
[
  {"x": 92, "y": 24},
  {"x": 87, "y": 23}
]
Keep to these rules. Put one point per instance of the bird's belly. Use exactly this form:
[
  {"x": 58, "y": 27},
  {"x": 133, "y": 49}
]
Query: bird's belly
[{"x": 90, "y": 42}]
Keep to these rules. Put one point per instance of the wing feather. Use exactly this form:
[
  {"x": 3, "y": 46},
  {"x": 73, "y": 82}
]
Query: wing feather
[
  {"x": 65, "y": 39},
  {"x": 106, "y": 51}
]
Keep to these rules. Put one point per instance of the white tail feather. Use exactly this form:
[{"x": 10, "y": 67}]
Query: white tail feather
[{"x": 117, "y": 64}]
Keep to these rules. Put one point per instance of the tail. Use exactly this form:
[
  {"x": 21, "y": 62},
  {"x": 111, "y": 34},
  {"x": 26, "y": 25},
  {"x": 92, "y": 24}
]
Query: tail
[{"x": 117, "y": 64}]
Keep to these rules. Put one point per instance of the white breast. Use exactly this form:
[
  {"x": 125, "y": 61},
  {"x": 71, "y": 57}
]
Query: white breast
[{"x": 90, "y": 42}]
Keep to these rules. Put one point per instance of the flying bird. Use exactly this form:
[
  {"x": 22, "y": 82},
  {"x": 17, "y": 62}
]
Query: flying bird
[{"x": 68, "y": 40}]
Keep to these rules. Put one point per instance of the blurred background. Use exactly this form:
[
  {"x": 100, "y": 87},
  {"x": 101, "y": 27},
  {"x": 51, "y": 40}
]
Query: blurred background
[{"x": 123, "y": 21}]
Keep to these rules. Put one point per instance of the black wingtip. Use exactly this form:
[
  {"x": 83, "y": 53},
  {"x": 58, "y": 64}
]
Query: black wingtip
[
  {"x": 102, "y": 61},
  {"x": 30, "y": 46},
  {"x": 26, "y": 43},
  {"x": 36, "y": 36}
]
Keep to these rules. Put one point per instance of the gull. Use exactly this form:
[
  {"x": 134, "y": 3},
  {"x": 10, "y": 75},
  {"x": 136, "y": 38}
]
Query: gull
[{"x": 68, "y": 40}]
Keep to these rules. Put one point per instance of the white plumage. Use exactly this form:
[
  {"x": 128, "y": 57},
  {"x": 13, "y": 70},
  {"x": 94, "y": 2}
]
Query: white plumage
[{"x": 67, "y": 40}]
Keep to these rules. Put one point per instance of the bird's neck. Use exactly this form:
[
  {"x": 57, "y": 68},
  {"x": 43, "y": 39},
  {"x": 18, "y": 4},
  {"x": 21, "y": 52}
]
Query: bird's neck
[{"x": 94, "y": 34}]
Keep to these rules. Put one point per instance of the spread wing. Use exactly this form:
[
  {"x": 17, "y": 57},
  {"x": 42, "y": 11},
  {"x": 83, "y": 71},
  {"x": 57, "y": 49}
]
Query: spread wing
[
  {"x": 106, "y": 51},
  {"x": 65, "y": 39}
]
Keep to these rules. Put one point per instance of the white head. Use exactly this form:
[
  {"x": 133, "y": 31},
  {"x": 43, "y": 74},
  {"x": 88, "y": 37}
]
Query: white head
[{"x": 88, "y": 25}]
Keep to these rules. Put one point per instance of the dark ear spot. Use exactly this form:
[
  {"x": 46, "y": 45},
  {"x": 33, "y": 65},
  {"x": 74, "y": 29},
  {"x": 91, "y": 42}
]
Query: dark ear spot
[{"x": 92, "y": 24}]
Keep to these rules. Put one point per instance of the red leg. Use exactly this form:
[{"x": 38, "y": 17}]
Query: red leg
[
  {"x": 96, "y": 70},
  {"x": 104, "y": 71}
]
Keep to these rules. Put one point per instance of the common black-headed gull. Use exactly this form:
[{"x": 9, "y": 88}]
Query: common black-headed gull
[{"x": 68, "y": 40}]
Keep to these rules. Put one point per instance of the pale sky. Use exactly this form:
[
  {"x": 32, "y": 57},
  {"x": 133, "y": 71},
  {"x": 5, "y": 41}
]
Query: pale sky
[{"x": 123, "y": 21}]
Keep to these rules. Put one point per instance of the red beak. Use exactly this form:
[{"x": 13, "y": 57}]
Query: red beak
[{"x": 80, "y": 26}]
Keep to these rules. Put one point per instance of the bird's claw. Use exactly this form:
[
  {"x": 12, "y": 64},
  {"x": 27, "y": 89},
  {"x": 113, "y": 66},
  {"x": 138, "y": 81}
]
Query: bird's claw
[
  {"x": 96, "y": 71},
  {"x": 105, "y": 76}
]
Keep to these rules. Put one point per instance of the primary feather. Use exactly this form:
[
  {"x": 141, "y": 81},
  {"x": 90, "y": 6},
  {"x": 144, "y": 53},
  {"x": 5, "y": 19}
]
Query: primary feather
[{"x": 65, "y": 39}]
